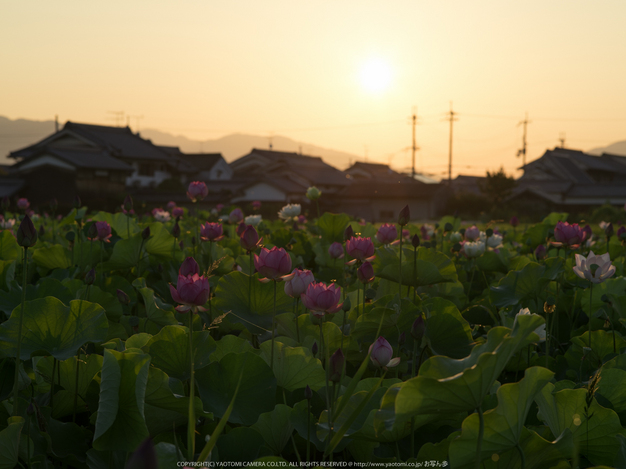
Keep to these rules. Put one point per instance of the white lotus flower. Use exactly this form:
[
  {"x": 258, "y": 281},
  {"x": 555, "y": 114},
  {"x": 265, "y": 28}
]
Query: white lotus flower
[
  {"x": 253, "y": 220},
  {"x": 289, "y": 212},
  {"x": 494, "y": 241},
  {"x": 473, "y": 249},
  {"x": 7, "y": 224},
  {"x": 540, "y": 331},
  {"x": 456, "y": 237},
  {"x": 594, "y": 268},
  {"x": 162, "y": 216}
]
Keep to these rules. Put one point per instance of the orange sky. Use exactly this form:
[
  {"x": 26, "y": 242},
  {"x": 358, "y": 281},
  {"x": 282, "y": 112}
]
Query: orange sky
[{"x": 207, "y": 68}]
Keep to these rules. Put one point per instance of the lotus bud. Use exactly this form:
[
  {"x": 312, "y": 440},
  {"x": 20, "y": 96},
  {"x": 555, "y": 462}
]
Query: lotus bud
[
  {"x": 181, "y": 245},
  {"x": 313, "y": 193},
  {"x": 540, "y": 252},
  {"x": 42, "y": 230},
  {"x": 92, "y": 232},
  {"x": 348, "y": 233},
  {"x": 176, "y": 230},
  {"x": 346, "y": 306},
  {"x": 402, "y": 338},
  {"x": 608, "y": 230},
  {"x": 621, "y": 232},
  {"x": 337, "y": 361},
  {"x": 241, "y": 227},
  {"x": 128, "y": 203},
  {"x": 514, "y": 222},
  {"x": 448, "y": 227},
  {"x": 405, "y": 216},
  {"x": 90, "y": 277},
  {"x": 415, "y": 241},
  {"x": 145, "y": 234},
  {"x": 365, "y": 273},
  {"x": 308, "y": 393},
  {"x": 314, "y": 349},
  {"x": 77, "y": 203},
  {"x": 249, "y": 238},
  {"x": 335, "y": 251},
  {"x": 26, "y": 233},
  {"x": 419, "y": 328},
  {"x": 489, "y": 232},
  {"x": 123, "y": 297},
  {"x": 189, "y": 267}
]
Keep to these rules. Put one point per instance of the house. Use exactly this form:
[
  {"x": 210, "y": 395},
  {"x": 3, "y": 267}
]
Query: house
[
  {"x": 146, "y": 164},
  {"x": 207, "y": 166},
  {"x": 565, "y": 179},
  {"x": 276, "y": 176}
]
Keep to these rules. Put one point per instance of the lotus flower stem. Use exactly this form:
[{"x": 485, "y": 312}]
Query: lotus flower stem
[
  {"x": 412, "y": 437},
  {"x": 413, "y": 362},
  {"x": 250, "y": 281},
  {"x": 19, "y": 333},
  {"x": 590, "y": 311},
  {"x": 273, "y": 329},
  {"x": 481, "y": 430},
  {"x": 363, "y": 311},
  {"x": 297, "y": 308},
  {"x": 54, "y": 369},
  {"x": 399, "y": 272},
  {"x": 191, "y": 428},
  {"x": 128, "y": 226},
  {"x": 101, "y": 266},
  {"x": 308, "y": 430},
  {"x": 76, "y": 386}
]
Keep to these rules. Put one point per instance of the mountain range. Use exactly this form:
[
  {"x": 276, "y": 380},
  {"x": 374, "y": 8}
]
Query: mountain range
[{"x": 19, "y": 133}]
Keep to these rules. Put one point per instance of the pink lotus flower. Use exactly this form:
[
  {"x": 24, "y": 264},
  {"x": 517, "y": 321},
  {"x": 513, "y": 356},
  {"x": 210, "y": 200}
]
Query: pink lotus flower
[
  {"x": 540, "y": 252},
  {"x": 189, "y": 267},
  {"x": 191, "y": 292},
  {"x": 594, "y": 268},
  {"x": 177, "y": 212},
  {"x": 102, "y": 232},
  {"x": 360, "y": 248},
  {"x": 256, "y": 204},
  {"x": 472, "y": 233},
  {"x": 241, "y": 227},
  {"x": 197, "y": 190},
  {"x": 321, "y": 299},
  {"x": 211, "y": 232},
  {"x": 406, "y": 233},
  {"x": 272, "y": 263},
  {"x": 365, "y": 273},
  {"x": 299, "y": 283},
  {"x": 171, "y": 205},
  {"x": 335, "y": 251},
  {"x": 387, "y": 233},
  {"x": 381, "y": 353},
  {"x": 249, "y": 239},
  {"x": 568, "y": 235},
  {"x": 236, "y": 216},
  {"x": 514, "y": 222},
  {"x": 23, "y": 204},
  {"x": 219, "y": 207}
]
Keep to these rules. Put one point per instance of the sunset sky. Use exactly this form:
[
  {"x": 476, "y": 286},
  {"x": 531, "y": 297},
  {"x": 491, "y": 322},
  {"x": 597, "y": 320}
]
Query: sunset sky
[{"x": 341, "y": 74}]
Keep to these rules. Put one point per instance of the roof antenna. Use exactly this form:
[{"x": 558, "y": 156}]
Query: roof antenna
[
  {"x": 562, "y": 139},
  {"x": 270, "y": 140}
]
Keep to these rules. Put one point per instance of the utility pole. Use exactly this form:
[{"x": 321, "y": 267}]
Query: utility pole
[
  {"x": 414, "y": 147},
  {"x": 56, "y": 123},
  {"x": 451, "y": 118},
  {"x": 118, "y": 116},
  {"x": 522, "y": 151}
]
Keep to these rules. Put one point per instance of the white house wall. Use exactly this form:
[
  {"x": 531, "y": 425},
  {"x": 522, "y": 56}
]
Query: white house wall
[
  {"x": 221, "y": 171},
  {"x": 146, "y": 181},
  {"x": 263, "y": 192}
]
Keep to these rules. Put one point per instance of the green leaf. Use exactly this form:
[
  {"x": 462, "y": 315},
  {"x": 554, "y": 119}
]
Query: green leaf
[
  {"x": 51, "y": 328},
  {"x": 230, "y": 344},
  {"x": 445, "y": 385},
  {"x": 120, "y": 424},
  {"x": 88, "y": 367},
  {"x": 518, "y": 286},
  {"x": 158, "y": 312},
  {"x": 275, "y": 427},
  {"x": 9, "y": 249},
  {"x": 595, "y": 437},
  {"x": 430, "y": 267},
  {"x": 447, "y": 332},
  {"x": 332, "y": 226},
  {"x": 218, "y": 381},
  {"x": 294, "y": 367},
  {"x": 110, "y": 303},
  {"x": 161, "y": 241},
  {"x": 231, "y": 294},
  {"x": 7, "y": 274},
  {"x": 125, "y": 255},
  {"x": 492, "y": 261},
  {"x": 554, "y": 217},
  {"x": 503, "y": 425},
  {"x": 170, "y": 350},
  {"x": 53, "y": 257},
  {"x": 240, "y": 444},
  {"x": 10, "y": 443}
]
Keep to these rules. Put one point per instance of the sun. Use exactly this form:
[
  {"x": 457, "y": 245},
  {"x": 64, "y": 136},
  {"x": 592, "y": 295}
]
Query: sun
[{"x": 375, "y": 75}]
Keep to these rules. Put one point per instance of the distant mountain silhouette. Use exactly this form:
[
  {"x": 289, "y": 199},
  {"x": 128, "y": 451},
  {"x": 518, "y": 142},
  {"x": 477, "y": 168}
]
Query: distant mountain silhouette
[
  {"x": 617, "y": 148},
  {"x": 20, "y": 133},
  {"x": 233, "y": 146}
]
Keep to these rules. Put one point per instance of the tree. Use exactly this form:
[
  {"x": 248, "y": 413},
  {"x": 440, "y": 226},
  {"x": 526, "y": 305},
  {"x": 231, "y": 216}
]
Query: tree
[{"x": 497, "y": 186}]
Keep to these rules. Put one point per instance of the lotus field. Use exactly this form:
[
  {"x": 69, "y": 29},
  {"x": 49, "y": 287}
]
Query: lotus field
[{"x": 186, "y": 336}]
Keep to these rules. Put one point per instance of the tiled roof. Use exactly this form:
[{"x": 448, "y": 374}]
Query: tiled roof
[
  {"x": 201, "y": 161},
  {"x": 81, "y": 158}
]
